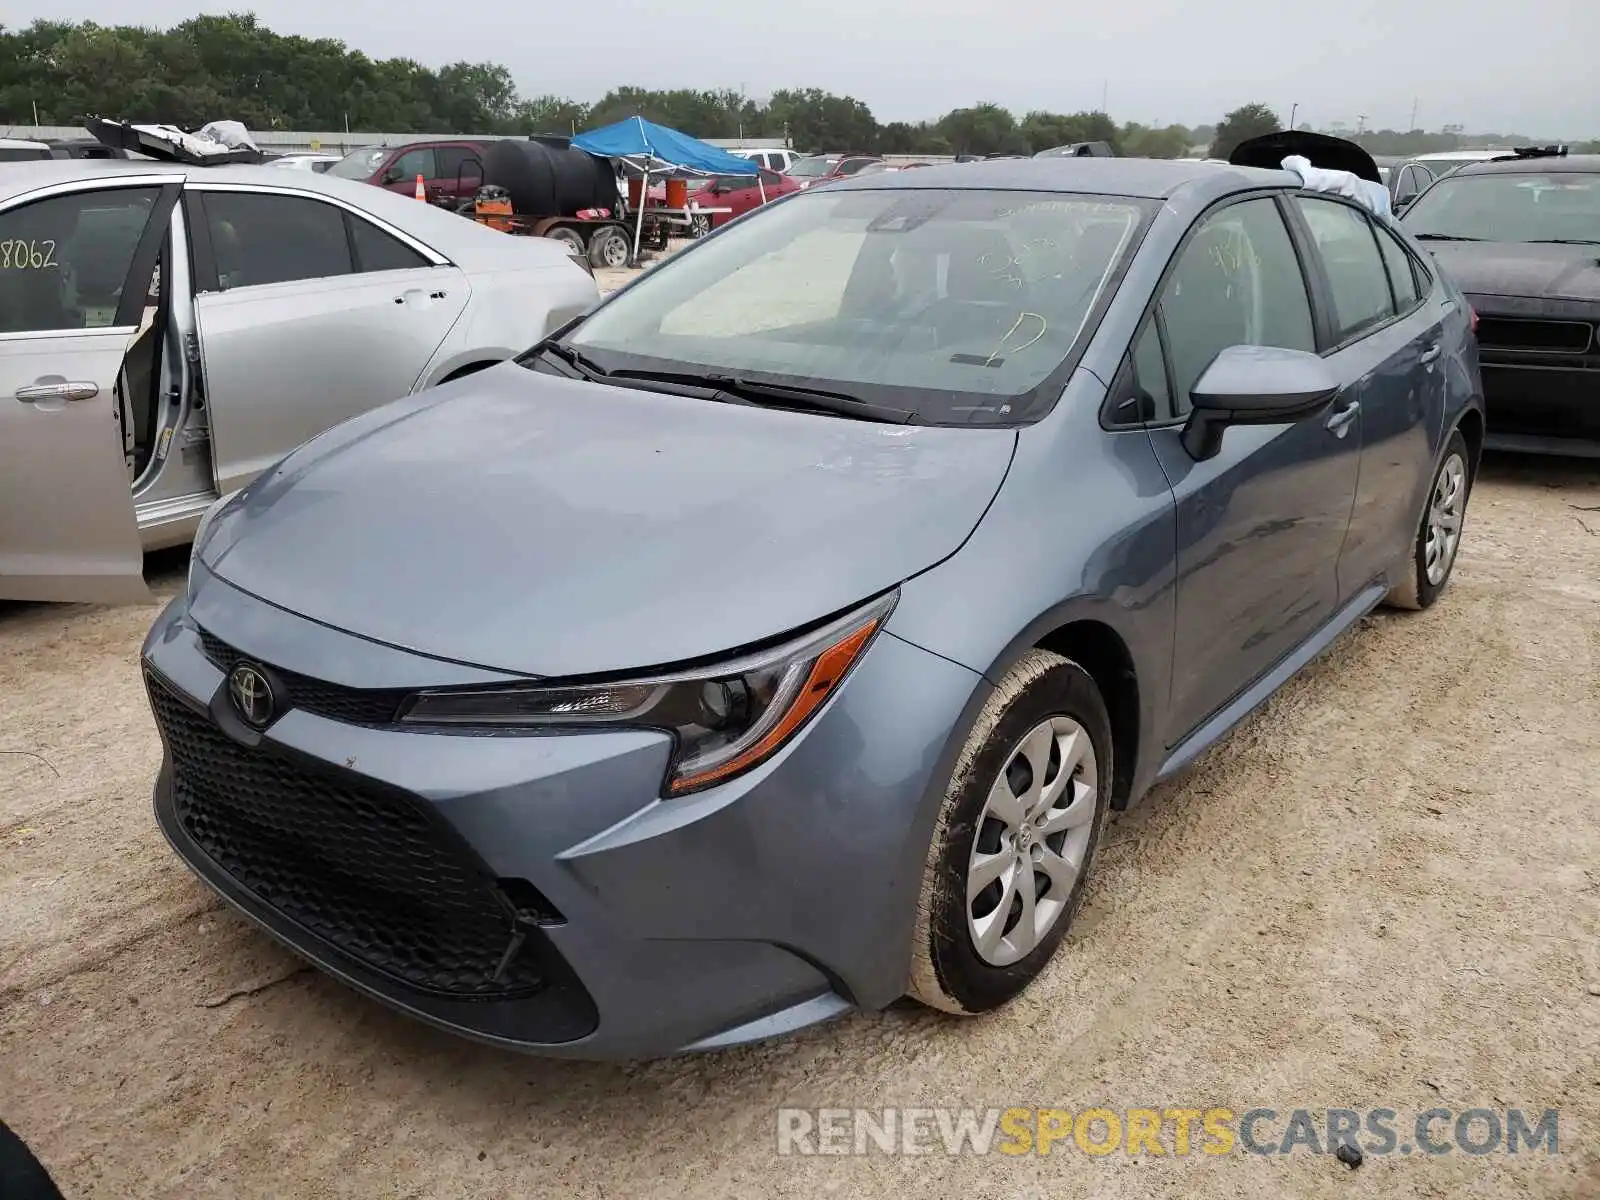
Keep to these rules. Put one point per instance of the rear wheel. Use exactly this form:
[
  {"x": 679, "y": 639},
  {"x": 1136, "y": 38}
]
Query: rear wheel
[
  {"x": 1014, "y": 838},
  {"x": 609, "y": 247},
  {"x": 1438, "y": 540},
  {"x": 565, "y": 233}
]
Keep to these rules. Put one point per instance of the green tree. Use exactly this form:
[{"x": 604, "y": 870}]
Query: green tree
[
  {"x": 1242, "y": 124},
  {"x": 816, "y": 120},
  {"x": 983, "y": 129}
]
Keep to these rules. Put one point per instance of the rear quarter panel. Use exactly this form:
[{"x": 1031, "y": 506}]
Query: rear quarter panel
[{"x": 509, "y": 311}]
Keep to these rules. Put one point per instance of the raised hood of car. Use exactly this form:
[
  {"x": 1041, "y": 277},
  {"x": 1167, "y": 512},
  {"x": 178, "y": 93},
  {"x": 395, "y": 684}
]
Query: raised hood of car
[
  {"x": 552, "y": 527},
  {"x": 1523, "y": 269}
]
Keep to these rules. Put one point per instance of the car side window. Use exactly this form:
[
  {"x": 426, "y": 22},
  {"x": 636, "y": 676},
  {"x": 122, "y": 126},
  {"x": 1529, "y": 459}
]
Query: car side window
[
  {"x": 1145, "y": 395},
  {"x": 376, "y": 250},
  {"x": 1236, "y": 283},
  {"x": 258, "y": 239},
  {"x": 1348, "y": 247},
  {"x": 412, "y": 163},
  {"x": 1402, "y": 277},
  {"x": 64, "y": 260},
  {"x": 457, "y": 162}
]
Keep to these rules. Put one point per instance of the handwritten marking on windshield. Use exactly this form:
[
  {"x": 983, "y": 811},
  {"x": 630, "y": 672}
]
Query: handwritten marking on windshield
[{"x": 19, "y": 254}]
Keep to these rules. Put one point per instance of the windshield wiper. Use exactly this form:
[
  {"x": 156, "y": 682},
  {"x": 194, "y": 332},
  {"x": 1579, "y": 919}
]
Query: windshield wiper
[
  {"x": 1444, "y": 237},
  {"x": 781, "y": 395},
  {"x": 1564, "y": 241},
  {"x": 576, "y": 359}
]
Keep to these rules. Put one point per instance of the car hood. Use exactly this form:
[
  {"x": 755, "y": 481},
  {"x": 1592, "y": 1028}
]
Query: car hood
[
  {"x": 1521, "y": 269},
  {"x": 552, "y": 527}
]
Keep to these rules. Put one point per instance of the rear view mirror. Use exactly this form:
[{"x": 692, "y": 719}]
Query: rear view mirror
[{"x": 1254, "y": 385}]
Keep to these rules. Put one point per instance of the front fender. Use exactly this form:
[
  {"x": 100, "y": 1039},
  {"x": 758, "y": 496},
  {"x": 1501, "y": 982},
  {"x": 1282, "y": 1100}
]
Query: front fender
[{"x": 1084, "y": 528}]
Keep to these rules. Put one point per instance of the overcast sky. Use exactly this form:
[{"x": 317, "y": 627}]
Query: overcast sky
[{"x": 1527, "y": 67}]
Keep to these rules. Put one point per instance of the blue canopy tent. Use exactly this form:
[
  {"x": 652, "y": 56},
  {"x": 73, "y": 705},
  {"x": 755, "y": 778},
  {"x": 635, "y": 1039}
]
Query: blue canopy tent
[{"x": 645, "y": 149}]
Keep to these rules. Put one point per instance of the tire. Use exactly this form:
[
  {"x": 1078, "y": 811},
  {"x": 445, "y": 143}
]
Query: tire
[
  {"x": 565, "y": 233},
  {"x": 968, "y": 959},
  {"x": 609, "y": 247},
  {"x": 699, "y": 225},
  {"x": 1422, "y": 583}
]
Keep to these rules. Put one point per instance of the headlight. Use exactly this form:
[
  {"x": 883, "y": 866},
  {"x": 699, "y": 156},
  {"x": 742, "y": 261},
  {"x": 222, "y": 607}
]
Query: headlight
[{"x": 725, "y": 719}]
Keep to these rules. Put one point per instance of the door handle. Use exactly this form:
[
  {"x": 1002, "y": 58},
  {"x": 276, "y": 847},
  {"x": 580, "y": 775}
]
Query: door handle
[
  {"x": 1432, "y": 353},
  {"x": 1339, "y": 423},
  {"x": 80, "y": 390}
]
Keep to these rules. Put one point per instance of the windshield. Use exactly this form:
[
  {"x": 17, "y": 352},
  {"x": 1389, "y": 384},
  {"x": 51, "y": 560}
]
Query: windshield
[
  {"x": 358, "y": 164},
  {"x": 955, "y": 305},
  {"x": 812, "y": 167},
  {"x": 1512, "y": 207}
]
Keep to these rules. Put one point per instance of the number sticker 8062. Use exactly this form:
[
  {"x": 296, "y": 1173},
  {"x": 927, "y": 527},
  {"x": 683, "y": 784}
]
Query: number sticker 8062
[{"x": 22, "y": 254}]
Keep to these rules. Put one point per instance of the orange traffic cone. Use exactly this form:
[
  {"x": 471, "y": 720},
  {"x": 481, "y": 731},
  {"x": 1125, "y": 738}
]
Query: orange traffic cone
[{"x": 422, "y": 193}]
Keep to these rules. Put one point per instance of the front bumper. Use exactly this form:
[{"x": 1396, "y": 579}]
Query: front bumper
[
  {"x": 534, "y": 891},
  {"x": 1541, "y": 374}
]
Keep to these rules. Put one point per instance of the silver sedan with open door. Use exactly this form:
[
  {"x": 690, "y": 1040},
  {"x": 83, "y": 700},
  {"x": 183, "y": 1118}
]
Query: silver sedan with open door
[{"x": 167, "y": 332}]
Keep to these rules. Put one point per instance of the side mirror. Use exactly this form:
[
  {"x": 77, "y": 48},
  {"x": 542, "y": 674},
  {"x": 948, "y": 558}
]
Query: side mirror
[
  {"x": 392, "y": 175},
  {"x": 1254, "y": 385}
]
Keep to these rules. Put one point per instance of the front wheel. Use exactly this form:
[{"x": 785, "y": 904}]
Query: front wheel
[
  {"x": 1014, "y": 838},
  {"x": 1433, "y": 553},
  {"x": 699, "y": 225}
]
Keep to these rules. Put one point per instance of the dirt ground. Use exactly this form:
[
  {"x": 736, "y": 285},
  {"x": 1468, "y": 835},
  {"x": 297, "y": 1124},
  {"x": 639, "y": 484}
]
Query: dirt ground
[{"x": 1383, "y": 891}]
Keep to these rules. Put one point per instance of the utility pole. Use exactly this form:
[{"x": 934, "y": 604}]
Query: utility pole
[
  {"x": 1105, "y": 93},
  {"x": 1361, "y": 122},
  {"x": 1293, "y": 109},
  {"x": 1413, "y": 124}
]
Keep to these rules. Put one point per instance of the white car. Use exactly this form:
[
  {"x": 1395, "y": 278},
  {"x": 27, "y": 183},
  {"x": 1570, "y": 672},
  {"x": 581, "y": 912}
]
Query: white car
[
  {"x": 167, "y": 332},
  {"x": 305, "y": 162},
  {"x": 773, "y": 160},
  {"x": 1411, "y": 177}
]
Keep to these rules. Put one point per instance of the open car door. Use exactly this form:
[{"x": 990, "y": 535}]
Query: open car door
[{"x": 67, "y": 314}]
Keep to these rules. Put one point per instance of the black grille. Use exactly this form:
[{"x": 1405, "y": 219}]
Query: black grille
[
  {"x": 1524, "y": 333},
  {"x": 360, "y": 865},
  {"x": 353, "y": 706}
]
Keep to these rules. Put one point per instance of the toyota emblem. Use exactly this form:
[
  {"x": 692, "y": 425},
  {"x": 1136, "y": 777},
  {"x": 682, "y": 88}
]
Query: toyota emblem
[{"x": 252, "y": 695}]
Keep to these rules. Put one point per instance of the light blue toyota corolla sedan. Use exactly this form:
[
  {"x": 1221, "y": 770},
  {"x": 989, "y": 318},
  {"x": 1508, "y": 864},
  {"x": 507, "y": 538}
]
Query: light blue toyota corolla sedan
[{"x": 773, "y": 640}]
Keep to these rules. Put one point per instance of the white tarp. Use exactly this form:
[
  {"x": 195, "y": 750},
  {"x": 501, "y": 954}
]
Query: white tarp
[{"x": 1341, "y": 183}]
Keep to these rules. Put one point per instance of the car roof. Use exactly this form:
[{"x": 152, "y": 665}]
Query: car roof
[
  {"x": 1576, "y": 164},
  {"x": 465, "y": 242},
  {"x": 1459, "y": 155},
  {"x": 1144, "y": 178},
  {"x": 21, "y": 144}
]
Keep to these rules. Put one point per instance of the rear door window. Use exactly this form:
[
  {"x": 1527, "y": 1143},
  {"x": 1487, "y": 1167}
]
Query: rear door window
[
  {"x": 259, "y": 239},
  {"x": 1349, "y": 250},
  {"x": 1402, "y": 272},
  {"x": 65, "y": 260},
  {"x": 376, "y": 250},
  {"x": 458, "y": 162}
]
